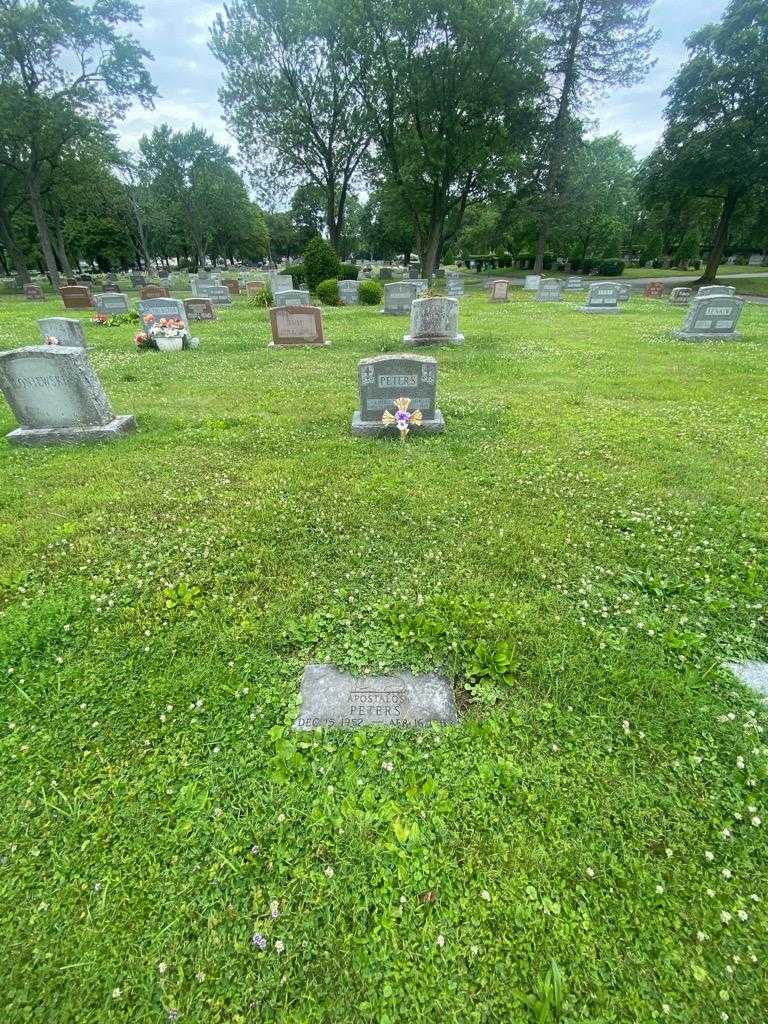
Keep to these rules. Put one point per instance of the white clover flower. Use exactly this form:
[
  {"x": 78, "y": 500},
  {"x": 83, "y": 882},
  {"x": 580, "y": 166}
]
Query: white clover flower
[
  {"x": 441, "y": 941},
  {"x": 590, "y": 873},
  {"x": 708, "y": 855},
  {"x": 727, "y": 874},
  {"x": 279, "y": 946},
  {"x": 742, "y": 915},
  {"x": 485, "y": 895},
  {"x": 659, "y": 890},
  {"x": 162, "y": 967},
  {"x": 757, "y": 821},
  {"x": 725, "y": 917},
  {"x": 329, "y": 872}
]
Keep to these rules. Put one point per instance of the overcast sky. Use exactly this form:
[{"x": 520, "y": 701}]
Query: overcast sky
[{"x": 188, "y": 76}]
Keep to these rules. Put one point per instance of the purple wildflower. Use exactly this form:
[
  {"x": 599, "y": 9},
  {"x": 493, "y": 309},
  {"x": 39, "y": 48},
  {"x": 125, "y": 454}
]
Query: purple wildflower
[{"x": 258, "y": 940}]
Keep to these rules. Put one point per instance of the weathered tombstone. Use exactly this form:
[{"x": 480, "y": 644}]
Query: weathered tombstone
[
  {"x": 420, "y": 284},
  {"x": 217, "y": 293},
  {"x": 549, "y": 290},
  {"x": 295, "y": 297},
  {"x": 715, "y": 289},
  {"x": 414, "y": 272},
  {"x": 296, "y": 325},
  {"x": 110, "y": 286},
  {"x": 755, "y": 260},
  {"x": 138, "y": 280},
  {"x": 398, "y": 297},
  {"x": 232, "y": 285},
  {"x": 348, "y": 293},
  {"x": 499, "y": 290},
  {"x": 574, "y": 284},
  {"x": 455, "y": 286},
  {"x": 713, "y": 316},
  {"x": 337, "y": 699},
  {"x": 33, "y": 293},
  {"x": 654, "y": 290},
  {"x": 439, "y": 274},
  {"x": 109, "y": 303},
  {"x": 162, "y": 307},
  {"x": 76, "y": 296},
  {"x": 385, "y": 274},
  {"x": 434, "y": 322},
  {"x": 280, "y": 283},
  {"x": 154, "y": 291},
  {"x": 624, "y": 292},
  {"x": 680, "y": 296},
  {"x": 384, "y": 379},
  {"x": 57, "y": 398},
  {"x": 199, "y": 309},
  {"x": 532, "y": 283},
  {"x": 254, "y": 287},
  {"x": 66, "y": 331},
  {"x": 602, "y": 298}
]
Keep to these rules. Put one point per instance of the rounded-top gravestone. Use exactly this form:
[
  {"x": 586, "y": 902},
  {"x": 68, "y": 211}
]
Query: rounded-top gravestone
[{"x": 434, "y": 321}]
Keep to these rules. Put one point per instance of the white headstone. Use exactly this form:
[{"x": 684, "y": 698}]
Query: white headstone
[
  {"x": 348, "y": 293},
  {"x": 66, "y": 331},
  {"x": 532, "y": 283},
  {"x": 549, "y": 290}
]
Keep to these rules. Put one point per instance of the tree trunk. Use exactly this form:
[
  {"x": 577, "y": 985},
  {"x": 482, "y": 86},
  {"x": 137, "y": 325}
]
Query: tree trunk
[
  {"x": 43, "y": 234},
  {"x": 558, "y": 138},
  {"x": 720, "y": 240},
  {"x": 58, "y": 244},
  {"x": 429, "y": 250},
  {"x": 14, "y": 250}
]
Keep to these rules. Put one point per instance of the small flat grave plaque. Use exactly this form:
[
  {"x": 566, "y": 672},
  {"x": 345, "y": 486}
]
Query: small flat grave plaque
[
  {"x": 337, "y": 699},
  {"x": 715, "y": 289},
  {"x": 297, "y": 325},
  {"x": 680, "y": 296}
]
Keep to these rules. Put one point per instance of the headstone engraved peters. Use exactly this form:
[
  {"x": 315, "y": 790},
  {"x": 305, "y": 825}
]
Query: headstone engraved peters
[
  {"x": 383, "y": 379},
  {"x": 602, "y": 298},
  {"x": 109, "y": 303},
  {"x": 57, "y": 398},
  {"x": 33, "y": 293},
  {"x": 715, "y": 289},
  {"x": 398, "y": 297},
  {"x": 654, "y": 290},
  {"x": 67, "y": 332},
  {"x": 348, "y": 293},
  {"x": 434, "y": 322},
  {"x": 154, "y": 291},
  {"x": 160, "y": 308},
  {"x": 217, "y": 293},
  {"x": 532, "y": 283},
  {"x": 76, "y": 296},
  {"x": 549, "y": 290},
  {"x": 712, "y": 317},
  {"x": 333, "y": 698},
  {"x": 499, "y": 291},
  {"x": 199, "y": 309},
  {"x": 296, "y": 325},
  {"x": 680, "y": 296},
  {"x": 296, "y": 297}
]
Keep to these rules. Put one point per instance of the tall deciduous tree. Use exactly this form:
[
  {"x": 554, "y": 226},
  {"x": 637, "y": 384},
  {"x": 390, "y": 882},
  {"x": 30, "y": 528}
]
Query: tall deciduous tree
[
  {"x": 289, "y": 95},
  {"x": 60, "y": 62},
  {"x": 716, "y": 142},
  {"x": 593, "y": 44}
]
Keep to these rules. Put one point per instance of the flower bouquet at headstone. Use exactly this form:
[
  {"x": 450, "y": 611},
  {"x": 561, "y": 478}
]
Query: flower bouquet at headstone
[
  {"x": 164, "y": 334},
  {"x": 116, "y": 319}
]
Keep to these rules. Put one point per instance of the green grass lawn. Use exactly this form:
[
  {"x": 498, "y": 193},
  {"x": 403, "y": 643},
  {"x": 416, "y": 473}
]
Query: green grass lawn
[{"x": 580, "y": 551}]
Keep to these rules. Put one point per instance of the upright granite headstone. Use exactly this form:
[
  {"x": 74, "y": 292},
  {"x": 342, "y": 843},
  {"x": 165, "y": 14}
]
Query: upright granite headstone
[
  {"x": 680, "y": 296},
  {"x": 76, "y": 296},
  {"x": 455, "y": 286},
  {"x": 624, "y": 292},
  {"x": 714, "y": 316},
  {"x": 348, "y": 293},
  {"x": 715, "y": 289},
  {"x": 434, "y": 322},
  {"x": 755, "y": 260},
  {"x": 574, "y": 284},
  {"x": 499, "y": 290},
  {"x": 110, "y": 303},
  {"x": 57, "y": 398},
  {"x": 421, "y": 285},
  {"x": 532, "y": 283},
  {"x": 337, "y": 699},
  {"x": 33, "y": 293},
  {"x": 160, "y": 308},
  {"x": 297, "y": 325},
  {"x": 384, "y": 379},
  {"x": 398, "y": 297},
  {"x": 217, "y": 293},
  {"x": 137, "y": 280},
  {"x": 602, "y": 298},
  {"x": 66, "y": 331},
  {"x": 231, "y": 284},
  {"x": 199, "y": 309},
  {"x": 280, "y": 283},
  {"x": 295, "y": 297},
  {"x": 549, "y": 290},
  {"x": 385, "y": 274},
  {"x": 414, "y": 272},
  {"x": 654, "y": 290},
  {"x": 254, "y": 287},
  {"x": 154, "y": 291}
]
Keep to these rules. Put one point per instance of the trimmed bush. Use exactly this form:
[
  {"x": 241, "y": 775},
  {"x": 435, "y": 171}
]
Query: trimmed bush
[
  {"x": 370, "y": 293},
  {"x": 328, "y": 291},
  {"x": 347, "y": 272},
  {"x": 320, "y": 263},
  {"x": 610, "y": 267}
]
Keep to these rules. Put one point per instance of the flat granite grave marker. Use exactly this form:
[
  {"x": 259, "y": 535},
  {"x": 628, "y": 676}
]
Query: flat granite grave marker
[
  {"x": 295, "y": 297},
  {"x": 76, "y": 296},
  {"x": 602, "y": 298},
  {"x": 382, "y": 380},
  {"x": 654, "y": 290},
  {"x": 154, "y": 291},
  {"x": 109, "y": 303},
  {"x": 680, "y": 296},
  {"x": 199, "y": 309},
  {"x": 549, "y": 290},
  {"x": 33, "y": 293},
  {"x": 330, "y": 697},
  {"x": 161, "y": 307},
  {"x": 499, "y": 291},
  {"x": 66, "y": 331},
  {"x": 753, "y": 674},
  {"x": 348, "y": 293},
  {"x": 715, "y": 289},
  {"x": 398, "y": 298},
  {"x": 296, "y": 325},
  {"x": 434, "y": 322},
  {"x": 714, "y": 316},
  {"x": 57, "y": 398}
]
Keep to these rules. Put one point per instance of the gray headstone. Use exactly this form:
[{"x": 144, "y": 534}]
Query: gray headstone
[
  {"x": 218, "y": 294},
  {"x": 109, "y": 303},
  {"x": 295, "y": 297},
  {"x": 532, "y": 283},
  {"x": 398, "y": 297},
  {"x": 67, "y": 332},
  {"x": 755, "y": 260},
  {"x": 414, "y": 272},
  {"x": 680, "y": 296},
  {"x": 385, "y": 274},
  {"x": 753, "y": 674},
  {"x": 713, "y": 316},
  {"x": 715, "y": 289},
  {"x": 383, "y": 379},
  {"x": 624, "y": 292},
  {"x": 455, "y": 286},
  {"x": 199, "y": 309},
  {"x": 57, "y": 398},
  {"x": 333, "y": 698},
  {"x": 348, "y": 293},
  {"x": 574, "y": 284},
  {"x": 434, "y": 322},
  {"x": 602, "y": 298},
  {"x": 280, "y": 283},
  {"x": 160, "y": 308},
  {"x": 33, "y": 292},
  {"x": 549, "y": 290},
  {"x": 138, "y": 280},
  {"x": 297, "y": 325}
]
